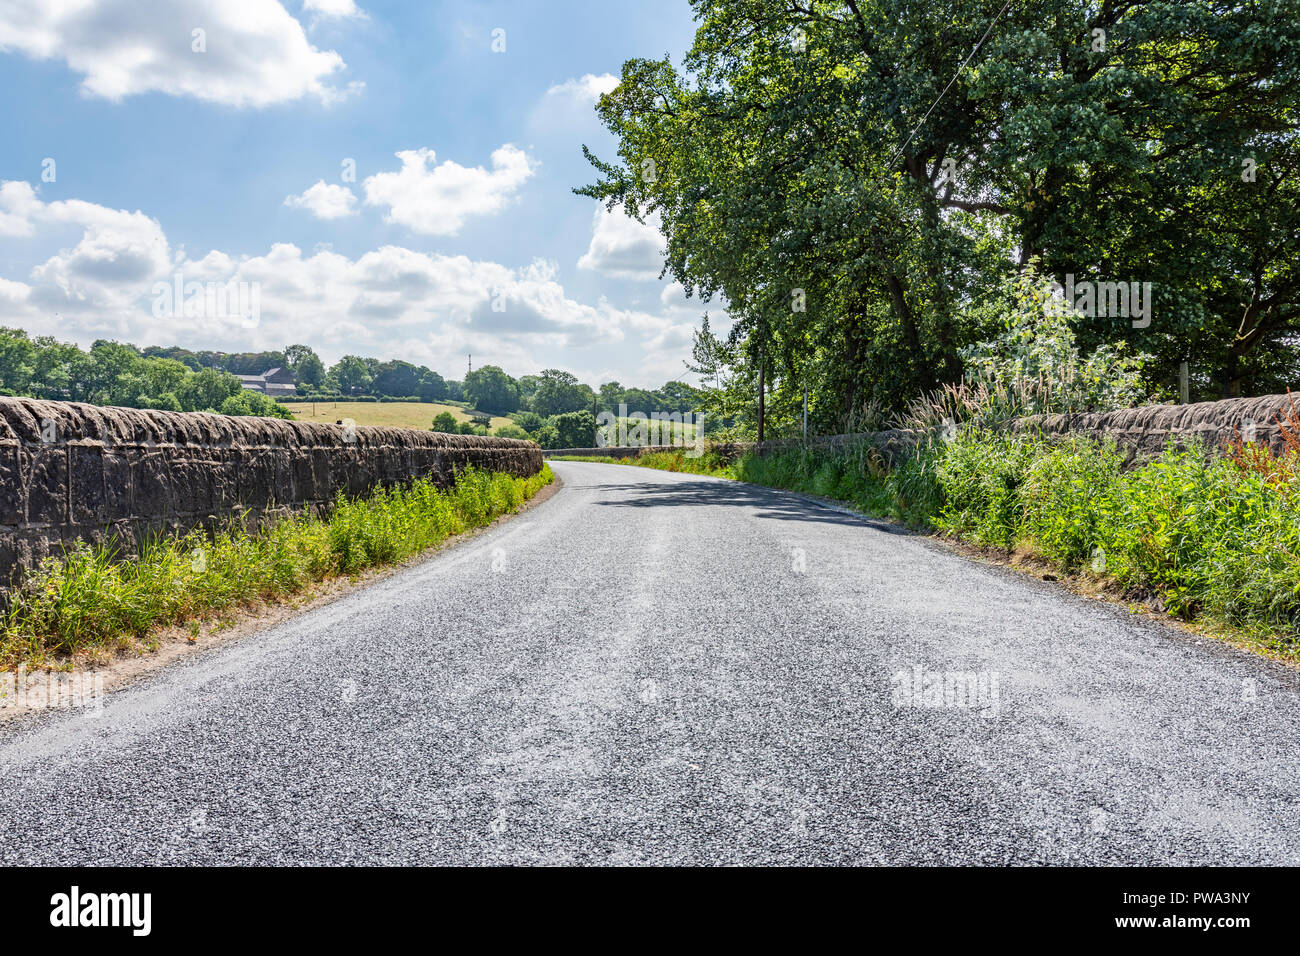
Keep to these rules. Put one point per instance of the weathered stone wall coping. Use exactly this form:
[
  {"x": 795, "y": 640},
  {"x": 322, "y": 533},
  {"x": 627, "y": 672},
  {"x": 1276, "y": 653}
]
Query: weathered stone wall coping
[{"x": 72, "y": 472}]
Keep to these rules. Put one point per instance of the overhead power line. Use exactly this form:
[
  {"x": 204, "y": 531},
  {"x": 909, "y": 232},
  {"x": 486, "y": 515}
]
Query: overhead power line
[{"x": 972, "y": 53}]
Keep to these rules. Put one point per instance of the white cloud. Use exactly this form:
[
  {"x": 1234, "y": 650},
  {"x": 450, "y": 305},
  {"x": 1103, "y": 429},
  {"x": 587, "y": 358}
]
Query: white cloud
[
  {"x": 586, "y": 89},
  {"x": 325, "y": 201},
  {"x": 13, "y": 293},
  {"x": 566, "y": 109},
  {"x": 437, "y": 199},
  {"x": 622, "y": 247},
  {"x": 332, "y": 8},
  {"x": 18, "y": 206},
  {"x": 118, "y": 251},
  {"x": 255, "y": 53},
  {"x": 390, "y": 302}
]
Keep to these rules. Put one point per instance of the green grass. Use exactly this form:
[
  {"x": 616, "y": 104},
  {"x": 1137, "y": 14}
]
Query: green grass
[
  {"x": 393, "y": 414},
  {"x": 93, "y": 597},
  {"x": 1200, "y": 536}
]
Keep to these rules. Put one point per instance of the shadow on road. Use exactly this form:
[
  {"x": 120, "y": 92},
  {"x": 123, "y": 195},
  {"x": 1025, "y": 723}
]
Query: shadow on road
[{"x": 769, "y": 502}]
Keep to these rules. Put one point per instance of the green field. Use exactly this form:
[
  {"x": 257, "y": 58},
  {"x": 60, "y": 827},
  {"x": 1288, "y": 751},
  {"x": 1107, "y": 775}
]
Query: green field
[
  {"x": 393, "y": 414},
  {"x": 631, "y": 424}
]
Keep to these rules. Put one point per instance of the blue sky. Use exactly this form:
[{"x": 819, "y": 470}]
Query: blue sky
[{"x": 226, "y": 164}]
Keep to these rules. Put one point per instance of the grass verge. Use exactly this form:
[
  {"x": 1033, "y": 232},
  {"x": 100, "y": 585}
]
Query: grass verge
[
  {"x": 1210, "y": 540},
  {"x": 95, "y": 598}
]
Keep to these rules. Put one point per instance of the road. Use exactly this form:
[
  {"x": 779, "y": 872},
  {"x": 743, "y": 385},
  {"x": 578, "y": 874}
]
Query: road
[{"x": 661, "y": 668}]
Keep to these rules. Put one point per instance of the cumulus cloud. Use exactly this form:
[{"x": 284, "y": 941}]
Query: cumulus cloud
[
  {"x": 566, "y": 109},
  {"x": 18, "y": 208},
  {"x": 332, "y": 8},
  {"x": 622, "y": 247},
  {"x": 388, "y": 302},
  {"x": 325, "y": 201},
  {"x": 437, "y": 198},
  {"x": 118, "y": 250},
  {"x": 587, "y": 88},
  {"x": 253, "y": 52},
  {"x": 13, "y": 293}
]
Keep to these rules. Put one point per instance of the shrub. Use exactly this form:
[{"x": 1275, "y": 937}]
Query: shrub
[
  {"x": 254, "y": 403},
  {"x": 1032, "y": 366},
  {"x": 1068, "y": 496},
  {"x": 570, "y": 430},
  {"x": 979, "y": 474},
  {"x": 445, "y": 422}
]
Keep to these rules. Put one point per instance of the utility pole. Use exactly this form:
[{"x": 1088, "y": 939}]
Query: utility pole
[
  {"x": 1184, "y": 388},
  {"x": 469, "y": 364},
  {"x": 761, "y": 406},
  {"x": 805, "y": 413}
]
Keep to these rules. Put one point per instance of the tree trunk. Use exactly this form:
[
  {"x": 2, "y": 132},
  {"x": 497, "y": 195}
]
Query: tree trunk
[
  {"x": 911, "y": 337},
  {"x": 761, "y": 405}
]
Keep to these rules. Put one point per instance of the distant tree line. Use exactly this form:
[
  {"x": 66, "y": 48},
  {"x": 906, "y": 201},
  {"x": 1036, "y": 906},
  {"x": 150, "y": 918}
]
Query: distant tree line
[
  {"x": 552, "y": 407},
  {"x": 555, "y": 409},
  {"x": 112, "y": 373}
]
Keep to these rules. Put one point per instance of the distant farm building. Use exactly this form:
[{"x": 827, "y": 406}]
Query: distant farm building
[{"x": 273, "y": 382}]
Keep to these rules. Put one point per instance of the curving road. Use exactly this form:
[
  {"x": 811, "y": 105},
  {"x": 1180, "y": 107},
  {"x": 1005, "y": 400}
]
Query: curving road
[{"x": 661, "y": 668}]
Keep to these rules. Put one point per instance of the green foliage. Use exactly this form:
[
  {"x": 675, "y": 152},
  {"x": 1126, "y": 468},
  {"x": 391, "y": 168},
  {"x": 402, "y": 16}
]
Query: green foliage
[
  {"x": 492, "y": 390},
  {"x": 111, "y": 373},
  {"x": 445, "y": 422},
  {"x": 511, "y": 431},
  {"x": 97, "y": 597},
  {"x": 1036, "y": 343},
  {"x": 804, "y": 182},
  {"x": 913, "y": 490},
  {"x": 528, "y": 421},
  {"x": 207, "y": 389},
  {"x": 307, "y": 368},
  {"x": 558, "y": 392},
  {"x": 1067, "y": 498},
  {"x": 671, "y": 397},
  {"x": 570, "y": 430},
  {"x": 1032, "y": 367},
  {"x": 396, "y": 378},
  {"x": 352, "y": 375},
  {"x": 236, "y": 363},
  {"x": 853, "y": 474},
  {"x": 254, "y": 403},
  {"x": 979, "y": 474}
]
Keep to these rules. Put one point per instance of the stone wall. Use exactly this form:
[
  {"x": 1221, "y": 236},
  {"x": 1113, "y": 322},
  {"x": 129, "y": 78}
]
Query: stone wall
[
  {"x": 1142, "y": 432},
  {"x": 70, "y": 471}
]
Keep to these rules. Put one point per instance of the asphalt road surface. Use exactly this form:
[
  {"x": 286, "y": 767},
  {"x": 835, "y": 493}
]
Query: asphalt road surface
[{"x": 661, "y": 668}]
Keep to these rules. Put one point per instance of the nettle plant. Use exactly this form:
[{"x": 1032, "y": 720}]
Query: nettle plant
[{"x": 1032, "y": 367}]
